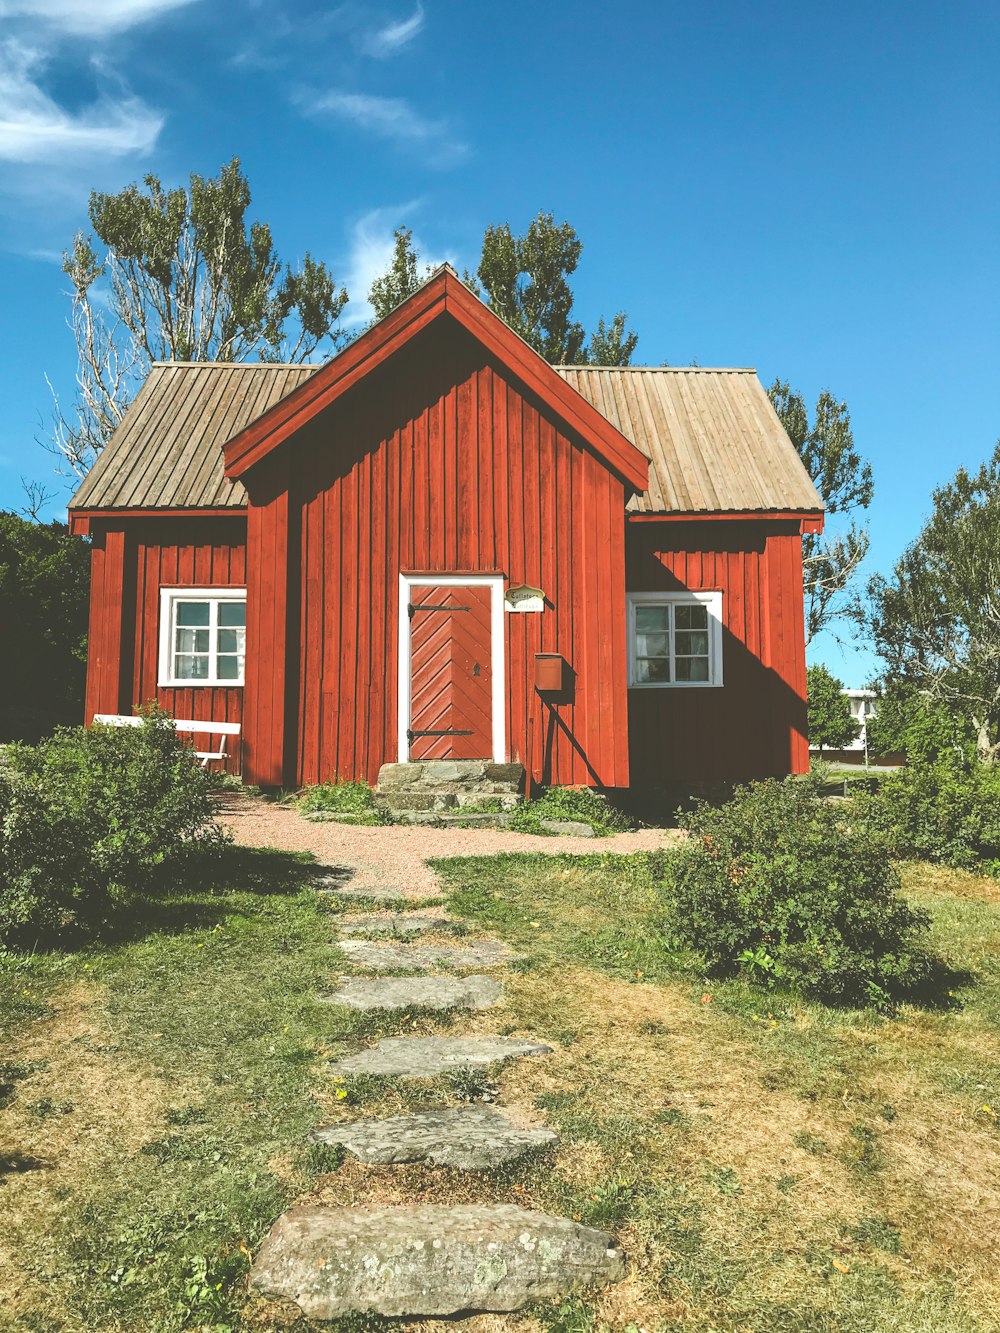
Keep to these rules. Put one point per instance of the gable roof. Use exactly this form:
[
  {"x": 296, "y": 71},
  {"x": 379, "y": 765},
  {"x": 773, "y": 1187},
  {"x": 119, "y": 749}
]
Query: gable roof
[
  {"x": 712, "y": 437},
  {"x": 443, "y": 294},
  {"x": 167, "y": 453}
]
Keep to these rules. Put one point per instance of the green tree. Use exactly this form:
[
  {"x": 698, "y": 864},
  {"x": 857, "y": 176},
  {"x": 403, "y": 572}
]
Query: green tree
[
  {"x": 927, "y": 730},
  {"x": 936, "y": 618},
  {"x": 401, "y": 279},
  {"x": 180, "y": 275},
  {"x": 845, "y": 483},
  {"x": 525, "y": 280},
  {"x": 44, "y": 583},
  {"x": 831, "y": 726}
]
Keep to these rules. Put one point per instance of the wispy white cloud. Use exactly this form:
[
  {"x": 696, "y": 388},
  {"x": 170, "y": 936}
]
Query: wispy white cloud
[
  {"x": 35, "y": 129},
  {"x": 386, "y": 41},
  {"x": 391, "y": 118},
  {"x": 370, "y": 253},
  {"x": 89, "y": 16}
]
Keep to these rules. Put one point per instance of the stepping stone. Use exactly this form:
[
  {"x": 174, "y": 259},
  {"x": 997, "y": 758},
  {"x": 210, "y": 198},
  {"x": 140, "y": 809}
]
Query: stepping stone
[
  {"x": 422, "y": 957},
  {"x": 470, "y": 1138},
  {"x": 376, "y": 893},
  {"x": 428, "y": 1259},
  {"x": 400, "y": 923},
  {"x": 568, "y": 828},
  {"x": 423, "y": 1057},
  {"x": 417, "y": 993}
]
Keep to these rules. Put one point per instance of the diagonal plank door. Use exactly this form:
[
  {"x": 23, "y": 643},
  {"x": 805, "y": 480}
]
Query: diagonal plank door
[{"x": 451, "y": 678}]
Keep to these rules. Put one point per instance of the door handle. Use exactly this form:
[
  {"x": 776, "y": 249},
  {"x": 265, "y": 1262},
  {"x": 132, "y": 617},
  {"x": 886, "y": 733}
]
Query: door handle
[{"x": 475, "y": 669}]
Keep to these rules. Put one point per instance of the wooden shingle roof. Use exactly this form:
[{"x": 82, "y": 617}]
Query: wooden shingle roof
[
  {"x": 167, "y": 453},
  {"x": 714, "y": 442},
  {"x": 712, "y": 437}
]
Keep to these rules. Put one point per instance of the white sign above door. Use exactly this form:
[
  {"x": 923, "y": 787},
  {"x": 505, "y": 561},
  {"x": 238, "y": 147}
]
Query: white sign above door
[{"x": 524, "y": 597}]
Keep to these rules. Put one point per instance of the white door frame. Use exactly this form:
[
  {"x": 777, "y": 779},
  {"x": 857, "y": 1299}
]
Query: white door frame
[{"x": 407, "y": 582}]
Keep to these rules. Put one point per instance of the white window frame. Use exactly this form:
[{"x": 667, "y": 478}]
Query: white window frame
[
  {"x": 711, "y": 600},
  {"x": 407, "y": 583},
  {"x": 169, "y": 597}
]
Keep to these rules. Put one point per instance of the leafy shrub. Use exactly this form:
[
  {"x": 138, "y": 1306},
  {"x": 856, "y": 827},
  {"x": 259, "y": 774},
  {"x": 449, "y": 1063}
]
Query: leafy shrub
[
  {"x": 345, "y": 798},
  {"x": 946, "y": 811},
  {"x": 578, "y": 804},
  {"x": 778, "y": 886},
  {"x": 88, "y": 818}
]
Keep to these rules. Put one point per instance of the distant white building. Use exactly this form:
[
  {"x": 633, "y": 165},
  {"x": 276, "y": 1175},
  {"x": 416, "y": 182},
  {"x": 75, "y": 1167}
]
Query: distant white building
[{"x": 863, "y": 707}]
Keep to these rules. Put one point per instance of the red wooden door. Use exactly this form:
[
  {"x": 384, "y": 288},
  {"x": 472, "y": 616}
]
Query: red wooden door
[{"x": 451, "y": 677}]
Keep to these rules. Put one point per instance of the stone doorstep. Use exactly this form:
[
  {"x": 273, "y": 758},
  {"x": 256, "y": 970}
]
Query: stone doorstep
[
  {"x": 399, "y": 923},
  {"x": 424, "y": 992},
  {"x": 423, "y": 957},
  {"x": 453, "y": 818},
  {"x": 399, "y": 799},
  {"x": 428, "y": 1259},
  {"x": 425, "y": 1057},
  {"x": 468, "y": 1138},
  {"x": 450, "y": 773}
]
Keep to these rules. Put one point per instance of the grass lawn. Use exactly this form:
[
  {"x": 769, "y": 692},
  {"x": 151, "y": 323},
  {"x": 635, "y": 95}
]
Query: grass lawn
[{"x": 770, "y": 1166}]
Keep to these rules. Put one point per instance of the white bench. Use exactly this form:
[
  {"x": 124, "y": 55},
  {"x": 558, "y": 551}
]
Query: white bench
[{"x": 187, "y": 725}]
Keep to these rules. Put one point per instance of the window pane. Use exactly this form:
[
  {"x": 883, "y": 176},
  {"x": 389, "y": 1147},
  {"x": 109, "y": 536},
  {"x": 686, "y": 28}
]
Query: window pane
[
  {"x": 231, "y": 640},
  {"x": 691, "y": 615},
  {"x": 692, "y": 668},
  {"x": 193, "y": 613},
  {"x": 189, "y": 667},
  {"x": 651, "y": 618},
  {"x": 228, "y": 667},
  {"x": 192, "y": 640},
  {"x": 649, "y": 670},
  {"x": 652, "y": 645},
  {"x": 232, "y": 613},
  {"x": 692, "y": 642}
]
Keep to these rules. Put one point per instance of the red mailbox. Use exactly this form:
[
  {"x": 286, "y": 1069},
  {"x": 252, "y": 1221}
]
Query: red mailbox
[{"x": 550, "y": 672}]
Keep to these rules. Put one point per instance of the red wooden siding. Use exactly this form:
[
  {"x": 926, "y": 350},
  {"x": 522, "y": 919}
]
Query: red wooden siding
[
  {"x": 130, "y": 564},
  {"x": 755, "y": 724},
  {"x": 439, "y": 461}
]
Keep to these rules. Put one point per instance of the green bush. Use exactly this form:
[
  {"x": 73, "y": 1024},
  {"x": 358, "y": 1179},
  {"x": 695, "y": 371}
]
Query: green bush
[
  {"x": 946, "y": 811},
  {"x": 579, "y": 804},
  {"x": 89, "y": 818},
  {"x": 778, "y": 886},
  {"x": 344, "y": 798}
]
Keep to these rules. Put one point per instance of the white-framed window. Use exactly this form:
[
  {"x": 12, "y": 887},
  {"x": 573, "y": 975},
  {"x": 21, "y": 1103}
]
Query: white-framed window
[
  {"x": 674, "y": 640},
  {"x": 202, "y": 636}
]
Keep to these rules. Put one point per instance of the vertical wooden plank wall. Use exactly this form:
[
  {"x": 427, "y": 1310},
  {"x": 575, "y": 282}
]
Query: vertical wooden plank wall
[
  {"x": 441, "y": 462},
  {"x": 130, "y": 564},
  {"x": 106, "y": 630},
  {"x": 754, "y": 725}
]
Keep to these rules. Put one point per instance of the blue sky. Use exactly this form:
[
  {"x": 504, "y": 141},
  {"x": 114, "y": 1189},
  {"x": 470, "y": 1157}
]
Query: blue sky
[{"x": 812, "y": 189}]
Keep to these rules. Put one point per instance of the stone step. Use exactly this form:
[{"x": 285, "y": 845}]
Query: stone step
[
  {"x": 445, "y": 800},
  {"x": 423, "y": 957},
  {"x": 440, "y": 993},
  {"x": 399, "y": 923},
  {"x": 428, "y": 1259},
  {"x": 424, "y": 1057},
  {"x": 469, "y": 1138},
  {"x": 452, "y": 818},
  {"x": 452, "y": 775}
]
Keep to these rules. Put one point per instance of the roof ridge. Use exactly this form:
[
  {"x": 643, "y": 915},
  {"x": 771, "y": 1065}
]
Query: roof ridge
[
  {"x": 685, "y": 370},
  {"x": 241, "y": 365}
]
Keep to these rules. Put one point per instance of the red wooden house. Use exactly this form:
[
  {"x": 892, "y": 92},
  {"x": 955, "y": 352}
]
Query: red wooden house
[{"x": 438, "y": 545}]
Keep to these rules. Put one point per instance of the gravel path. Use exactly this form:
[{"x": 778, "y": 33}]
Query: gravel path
[{"x": 395, "y": 856}]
